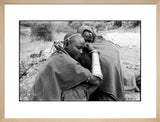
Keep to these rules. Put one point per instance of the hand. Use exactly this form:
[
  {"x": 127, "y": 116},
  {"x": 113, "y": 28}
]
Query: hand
[
  {"x": 94, "y": 80},
  {"x": 89, "y": 47}
]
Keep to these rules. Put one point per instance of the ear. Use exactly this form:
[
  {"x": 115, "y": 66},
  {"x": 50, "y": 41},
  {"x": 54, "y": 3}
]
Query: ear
[{"x": 66, "y": 44}]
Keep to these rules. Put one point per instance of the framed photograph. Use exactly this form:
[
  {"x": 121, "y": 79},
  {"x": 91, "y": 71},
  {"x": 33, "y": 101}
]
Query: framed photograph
[{"x": 79, "y": 61}]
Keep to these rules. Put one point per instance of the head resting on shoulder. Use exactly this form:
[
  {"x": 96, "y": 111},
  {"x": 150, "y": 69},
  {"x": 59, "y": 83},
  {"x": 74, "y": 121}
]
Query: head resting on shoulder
[
  {"x": 74, "y": 44},
  {"x": 88, "y": 33}
]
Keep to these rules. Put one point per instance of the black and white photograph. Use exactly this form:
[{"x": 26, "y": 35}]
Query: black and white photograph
[{"x": 80, "y": 60}]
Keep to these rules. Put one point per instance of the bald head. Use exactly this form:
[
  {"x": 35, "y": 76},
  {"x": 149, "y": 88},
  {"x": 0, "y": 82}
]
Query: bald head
[{"x": 74, "y": 45}]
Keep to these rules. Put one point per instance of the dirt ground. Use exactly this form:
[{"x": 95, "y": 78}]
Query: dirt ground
[
  {"x": 128, "y": 43},
  {"x": 33, "y": 55}
]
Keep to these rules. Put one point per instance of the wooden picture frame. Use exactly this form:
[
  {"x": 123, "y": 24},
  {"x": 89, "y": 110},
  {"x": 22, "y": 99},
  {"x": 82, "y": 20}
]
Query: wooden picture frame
[{"x": 3, "y": 2}]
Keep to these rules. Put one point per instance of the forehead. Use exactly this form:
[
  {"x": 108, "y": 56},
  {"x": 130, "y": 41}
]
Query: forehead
[
  {"x": 78, "y": 40},
  {"x": 86, "y": 32}
]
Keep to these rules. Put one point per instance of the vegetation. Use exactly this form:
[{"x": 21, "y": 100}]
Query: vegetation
[{"x": 46, "y": 30}]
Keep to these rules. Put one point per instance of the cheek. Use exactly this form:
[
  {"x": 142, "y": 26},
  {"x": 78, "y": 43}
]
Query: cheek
[{"x": 73, "y": 52}]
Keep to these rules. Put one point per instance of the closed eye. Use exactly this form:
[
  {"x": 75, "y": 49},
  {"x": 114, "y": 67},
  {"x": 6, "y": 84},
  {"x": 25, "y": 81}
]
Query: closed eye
[{"x": 79, "y": 47}]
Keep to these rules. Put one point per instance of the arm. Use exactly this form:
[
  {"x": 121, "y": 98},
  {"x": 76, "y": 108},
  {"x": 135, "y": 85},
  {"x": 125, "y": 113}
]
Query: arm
[{"x": 95, "y": 66}]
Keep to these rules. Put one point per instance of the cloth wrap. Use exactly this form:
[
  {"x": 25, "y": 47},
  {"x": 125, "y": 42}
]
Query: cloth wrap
[
  {"x": 60, "y": 73},
  {"x": 110, "y": 65}
]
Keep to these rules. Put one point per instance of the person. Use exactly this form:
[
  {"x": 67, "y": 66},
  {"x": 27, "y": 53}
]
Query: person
[
  {"x": 111, "y": 87},
  {"x": 62, "y": 78}
]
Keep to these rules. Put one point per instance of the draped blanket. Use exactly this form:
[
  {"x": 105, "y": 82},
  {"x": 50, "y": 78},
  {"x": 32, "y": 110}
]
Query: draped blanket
[
  {"x": 59, "y": 73},
  {"x": 110, "y": 65},
  {"x": 111, "y": 69}
]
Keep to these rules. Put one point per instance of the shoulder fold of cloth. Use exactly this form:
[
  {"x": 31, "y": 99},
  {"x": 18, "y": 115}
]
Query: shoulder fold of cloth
[
  {"x": 111, "y": 69},
  {"x": 60, "y": 72}
]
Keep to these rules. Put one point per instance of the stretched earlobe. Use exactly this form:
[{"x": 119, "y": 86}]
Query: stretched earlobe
[{"x": 66, "y": 44}]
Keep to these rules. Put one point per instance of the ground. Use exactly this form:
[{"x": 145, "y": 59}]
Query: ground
[
  {"x": 128, "y": 43},
  {"x": 34, "y": 53}
]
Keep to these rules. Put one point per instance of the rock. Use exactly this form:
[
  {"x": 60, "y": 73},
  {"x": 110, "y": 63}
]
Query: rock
[
  {"x": 129, "y": 80},
  {"x": 34, "y": 55}
]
